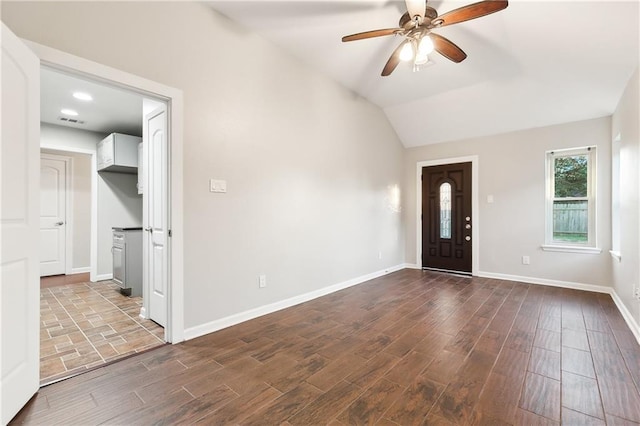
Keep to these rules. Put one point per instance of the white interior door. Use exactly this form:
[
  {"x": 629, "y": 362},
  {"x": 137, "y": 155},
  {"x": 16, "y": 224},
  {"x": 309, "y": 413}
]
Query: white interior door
[
  {"x": 19, "y": 227},
  {"x": 157, "y": 226},
  {"x": 53, "y": 217}
]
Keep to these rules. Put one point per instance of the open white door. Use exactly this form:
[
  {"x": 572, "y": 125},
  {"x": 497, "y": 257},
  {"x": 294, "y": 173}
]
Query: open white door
[
  {"x": 156, "y": 228},
  {"x": 53, "y": 216},
  {"x": 19, "y": 225}
]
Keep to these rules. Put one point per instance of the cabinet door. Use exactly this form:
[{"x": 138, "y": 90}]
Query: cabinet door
[
  {"x": 118, "y": 266},
  {"x": 105, "y": 152},
  {"x": 140, "y": 184}
]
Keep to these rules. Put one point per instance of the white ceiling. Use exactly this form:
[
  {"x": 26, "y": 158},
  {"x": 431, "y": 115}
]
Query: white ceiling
[
  {"x": 112, "y": 109},
  {"x": 537, "y": 63}
]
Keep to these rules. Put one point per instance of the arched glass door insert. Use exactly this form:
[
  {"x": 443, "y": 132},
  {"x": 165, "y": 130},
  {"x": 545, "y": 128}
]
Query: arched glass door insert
[{"x": 445, "y": 211}]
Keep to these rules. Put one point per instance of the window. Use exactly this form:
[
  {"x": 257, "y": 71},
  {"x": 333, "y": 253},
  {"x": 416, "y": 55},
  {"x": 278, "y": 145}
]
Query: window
[{"x": 571, "y": 199}]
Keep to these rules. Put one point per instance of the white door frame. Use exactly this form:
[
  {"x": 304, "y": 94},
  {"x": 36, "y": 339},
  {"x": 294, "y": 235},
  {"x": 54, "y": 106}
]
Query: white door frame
[
  {"x": 475, "y": 228},
  {"x": 68, "y": 206},
  {"x": 53, "y": 58}
]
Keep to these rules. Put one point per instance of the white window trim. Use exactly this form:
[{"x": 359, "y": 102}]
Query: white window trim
[
  {"x": 616, "y": 255},
  {"x": 615, "y": 198},
  {"x": 590, "y": 247}
]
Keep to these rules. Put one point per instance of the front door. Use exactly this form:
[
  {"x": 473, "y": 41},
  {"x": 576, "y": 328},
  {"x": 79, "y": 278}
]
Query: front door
[
  {"x": 53, "y": 221},
  {"x": 19, "y": 228},
  {"x": 446, "y": 217}
]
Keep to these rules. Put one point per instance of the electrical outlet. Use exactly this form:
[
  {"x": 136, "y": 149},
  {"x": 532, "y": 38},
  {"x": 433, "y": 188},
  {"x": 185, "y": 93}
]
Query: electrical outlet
[
  {"x": 636, "y": 292},
  {"x": 379, "y": 254},
  {"x": 526, "y": 260},
  {"x": 262, "y": 281}
]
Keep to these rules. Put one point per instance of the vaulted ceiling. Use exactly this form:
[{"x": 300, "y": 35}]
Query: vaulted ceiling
[{"x": 536, "y": 63}]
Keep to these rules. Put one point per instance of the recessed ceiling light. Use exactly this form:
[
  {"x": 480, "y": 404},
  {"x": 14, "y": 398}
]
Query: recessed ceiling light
[
  {"x": 82, "y": 96},
  {"x": 69, "y": 112}
]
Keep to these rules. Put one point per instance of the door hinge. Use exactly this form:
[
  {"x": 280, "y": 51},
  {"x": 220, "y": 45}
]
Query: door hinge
[{"x": 169, "y": 232}]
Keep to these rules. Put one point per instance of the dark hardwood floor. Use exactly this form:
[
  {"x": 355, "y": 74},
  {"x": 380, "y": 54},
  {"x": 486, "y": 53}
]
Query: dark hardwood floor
[{"x": 408, "y": 348}]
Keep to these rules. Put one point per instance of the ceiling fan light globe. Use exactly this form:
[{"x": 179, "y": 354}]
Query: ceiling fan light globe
[
  {"x": 426, "y": 46},
  {"x": 406, "y": 54}
]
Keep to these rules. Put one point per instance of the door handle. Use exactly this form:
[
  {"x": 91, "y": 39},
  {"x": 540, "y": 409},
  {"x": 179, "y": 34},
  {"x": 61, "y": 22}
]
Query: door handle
[
  {"x": 59, "y": 223},
  {"x": 149, "y": 230}
]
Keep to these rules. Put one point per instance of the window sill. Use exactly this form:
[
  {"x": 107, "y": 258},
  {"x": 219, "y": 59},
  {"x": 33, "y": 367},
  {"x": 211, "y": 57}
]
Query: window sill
[
  {"x": 616, "y": 255},
  {"x": 571, "y": 249}
]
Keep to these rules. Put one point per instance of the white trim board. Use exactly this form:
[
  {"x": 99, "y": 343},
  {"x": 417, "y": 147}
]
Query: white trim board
[
  {"x": 628, "y": 317},
  {"x": 104, "y": 277},
  {"x": 631, "y": 322},
  {"x": 475, "y": 207},
  {"x": 543, "y": 281},
  {"x": 210, "y": 327},
  {"x": 83, "y": 270},
  {"x": 411, "y": 266}
]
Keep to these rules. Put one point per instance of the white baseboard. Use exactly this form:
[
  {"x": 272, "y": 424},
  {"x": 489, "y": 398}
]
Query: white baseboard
[
  {"x": 631, "y": 322},
  {"x": 628, "y": 317},
  {"x": 103, "y": 277},
  {"x": 143, "y": 313},
  {"x": 544, "y": 281},
  {"x": 81, "y": 270},
  {"x": 411, "y": 266},
  {"x": 210, "y": 327}
]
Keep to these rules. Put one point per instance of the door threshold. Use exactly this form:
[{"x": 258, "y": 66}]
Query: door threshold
[
  {"x": 462, "y": 274},
  {"x": 53, "y": 380}
]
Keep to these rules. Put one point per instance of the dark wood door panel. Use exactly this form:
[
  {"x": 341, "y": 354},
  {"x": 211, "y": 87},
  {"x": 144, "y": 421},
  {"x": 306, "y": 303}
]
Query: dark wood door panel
[{"x": 447, "y": 247}]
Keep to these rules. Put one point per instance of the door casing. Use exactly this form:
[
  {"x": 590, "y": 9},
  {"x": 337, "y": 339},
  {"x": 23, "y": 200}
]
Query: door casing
[{"x": 475, "y": 230}]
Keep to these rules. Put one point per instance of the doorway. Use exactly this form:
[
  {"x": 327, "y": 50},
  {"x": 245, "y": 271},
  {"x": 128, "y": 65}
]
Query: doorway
[
  {"x": 446, "y": 218},
  {"x": 440, "y": 244},
  {"x": 86, "y": 323},
  {"x": 55, "y": 203}
]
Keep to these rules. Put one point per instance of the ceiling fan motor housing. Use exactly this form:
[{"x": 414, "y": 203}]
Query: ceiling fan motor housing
[{"x": 429, "y": 15}]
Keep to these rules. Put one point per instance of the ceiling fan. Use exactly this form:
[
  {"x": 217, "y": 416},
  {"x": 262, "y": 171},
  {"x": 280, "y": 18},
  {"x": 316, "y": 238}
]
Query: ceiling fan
[{"x": 416, "y": 27}]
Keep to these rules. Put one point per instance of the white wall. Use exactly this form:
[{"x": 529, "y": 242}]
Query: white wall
[
  {"x": 81, "y": 209},
  {"x": 118, "y": 201},
  {"x": 67, "y": 138},
  {"x": 625, "y": 122},
  {"x": 310, "y": 166},
  {"x": 119, "y": 205},
  {"x": 512, "y": 169}
]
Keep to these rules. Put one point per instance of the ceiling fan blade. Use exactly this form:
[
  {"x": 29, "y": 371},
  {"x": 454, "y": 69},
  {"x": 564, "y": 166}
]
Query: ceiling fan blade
[
  {"x": 394, "y": 60},
  {"x": 447, "y": 48},
  {"x": 472, "y": 11},
  {"x": 371, "y": 34},
  {"x": 416, "y": 7}
]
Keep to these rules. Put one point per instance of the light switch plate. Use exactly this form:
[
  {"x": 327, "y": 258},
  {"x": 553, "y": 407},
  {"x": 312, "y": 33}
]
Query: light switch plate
[{"x": 217, "y": 185}]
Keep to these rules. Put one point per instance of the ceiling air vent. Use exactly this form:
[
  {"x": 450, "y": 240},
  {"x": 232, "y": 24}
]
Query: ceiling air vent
[{"x": 70, "y": 120}]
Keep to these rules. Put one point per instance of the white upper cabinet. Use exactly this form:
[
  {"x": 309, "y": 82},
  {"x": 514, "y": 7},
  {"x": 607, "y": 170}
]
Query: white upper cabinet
[{"x": 118, "y": 153}]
